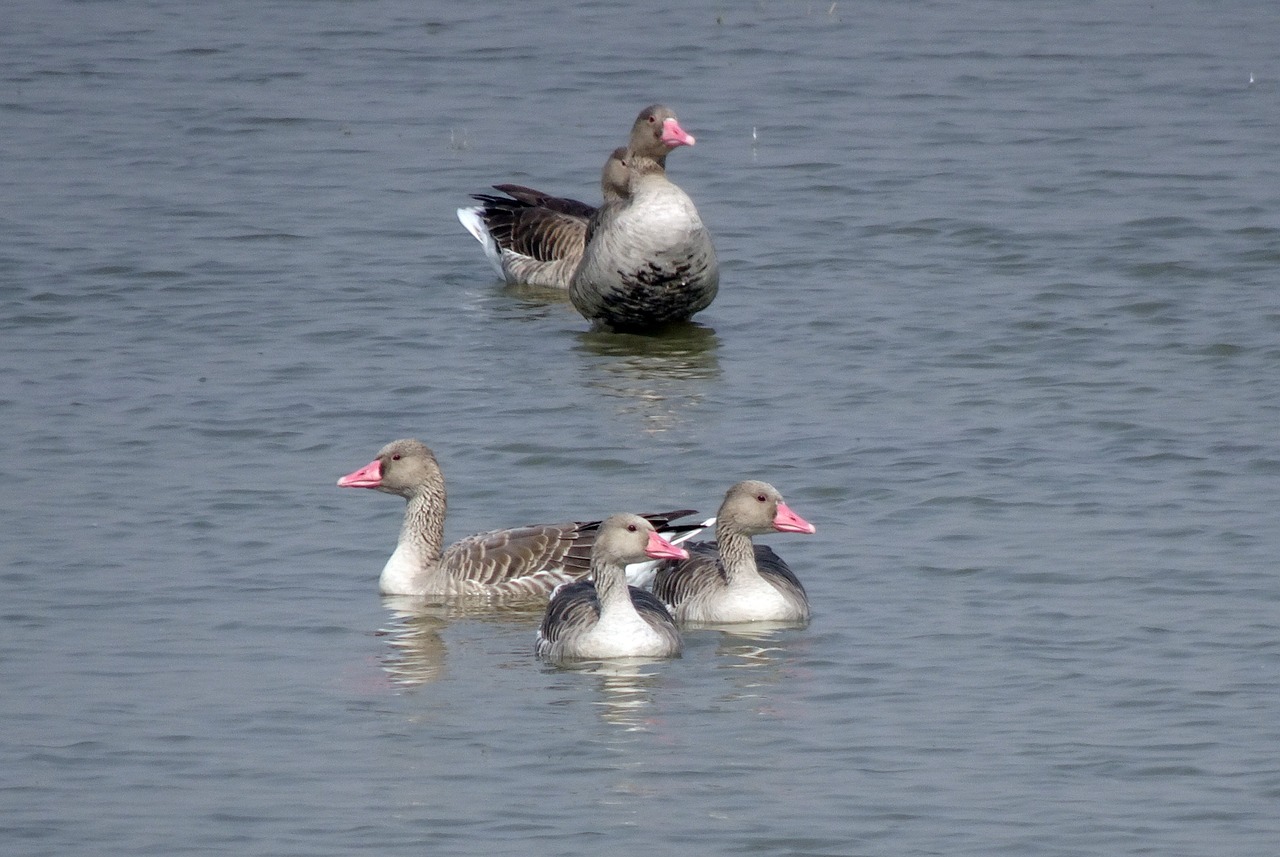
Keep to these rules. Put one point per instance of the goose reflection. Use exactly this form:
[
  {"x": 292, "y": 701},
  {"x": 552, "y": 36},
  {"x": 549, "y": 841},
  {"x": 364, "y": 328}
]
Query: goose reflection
[
  {"x": 751, "y": 646},
  {"x": 653, "y": 376},
  {"x": 758, "y": 658},
  {"x": 625, "y": 689},
  {"x": 537, "y": 302},
  {"x": 762, "y": 650},
  {"x": 416, "y": 652}
]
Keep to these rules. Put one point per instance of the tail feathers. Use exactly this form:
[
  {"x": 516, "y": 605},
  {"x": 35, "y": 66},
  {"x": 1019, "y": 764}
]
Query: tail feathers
[{"x": 472, "y": 220}]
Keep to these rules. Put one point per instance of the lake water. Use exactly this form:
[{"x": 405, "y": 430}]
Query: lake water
[{"x": 999, "y": 314}]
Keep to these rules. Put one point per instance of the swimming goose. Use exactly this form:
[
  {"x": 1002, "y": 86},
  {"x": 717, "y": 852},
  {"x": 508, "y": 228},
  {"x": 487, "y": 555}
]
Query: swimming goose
[
  {"x": 521, "y": 562},
  {"x": 536, "y": 239},
  {"x": 732, "y": 580},
  {"x": 649, "y": 258},
  {"x": 603, "y": 617}
]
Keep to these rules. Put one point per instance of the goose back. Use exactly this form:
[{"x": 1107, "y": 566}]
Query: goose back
[{"x": 533, "y": 238}]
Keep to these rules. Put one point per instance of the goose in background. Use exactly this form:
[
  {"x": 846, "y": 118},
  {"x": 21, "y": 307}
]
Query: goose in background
[
  {"x": 649, "y": 260},
  {"x": 602, "y": 617},
  {"x": 523, "y": 562},
  {"x": 731, "y": 579}
]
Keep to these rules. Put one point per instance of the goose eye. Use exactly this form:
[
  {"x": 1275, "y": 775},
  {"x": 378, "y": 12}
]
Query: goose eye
[
  {"x": 631, "y": 528},
  {"x": 395, "y": 457},
  {"x": 761, "y": 498}
]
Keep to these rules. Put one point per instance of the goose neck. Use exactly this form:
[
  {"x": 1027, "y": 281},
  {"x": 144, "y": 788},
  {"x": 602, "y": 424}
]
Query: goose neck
[
  {"x": 423, "y": 527},
  {"x": 737, "y": 554},
  {"x": 611, "y": 587}
]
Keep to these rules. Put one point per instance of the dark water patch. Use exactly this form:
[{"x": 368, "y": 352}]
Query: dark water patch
[
  {"x": 1168, "y": 226},
  {"x": 1220, "y": 349},
  {"x": 263, "y": 236},
  {"x": 1170, "y": 270}
]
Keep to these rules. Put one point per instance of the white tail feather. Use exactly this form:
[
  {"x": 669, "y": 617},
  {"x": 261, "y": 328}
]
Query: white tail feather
[{"x": 473, "y": 220}]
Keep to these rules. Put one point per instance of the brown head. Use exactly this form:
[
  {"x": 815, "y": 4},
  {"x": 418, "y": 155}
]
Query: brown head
[
  {"x": 625, "y": 539},
  {"x": 754, "y": 508},
  {"x": 614, "y": 178},
  {"x": 403, "y": 467},
  {"x": 656, "y": 132}
]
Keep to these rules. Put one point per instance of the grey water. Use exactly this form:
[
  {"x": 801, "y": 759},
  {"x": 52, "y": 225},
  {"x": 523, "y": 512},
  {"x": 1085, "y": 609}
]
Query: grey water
[{"x": 999, "y": 314}]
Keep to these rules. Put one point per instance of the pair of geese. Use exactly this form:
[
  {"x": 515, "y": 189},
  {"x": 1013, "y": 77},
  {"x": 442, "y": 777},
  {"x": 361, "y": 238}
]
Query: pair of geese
[
  {"x": 588, "y": 569},
  {"x": 642, "y": 260}
]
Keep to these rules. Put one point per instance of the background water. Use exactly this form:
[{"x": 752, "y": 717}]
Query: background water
[{"x": 999, "y": 314}]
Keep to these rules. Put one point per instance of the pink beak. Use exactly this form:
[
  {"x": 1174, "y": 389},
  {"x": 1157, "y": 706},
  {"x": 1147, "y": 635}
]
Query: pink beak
[
  {"x": 369, "y": 476},
  {"x": 673, "y": 135},
  {"x": 787, "y": 521},
  {"x": 660, "y": 548}
]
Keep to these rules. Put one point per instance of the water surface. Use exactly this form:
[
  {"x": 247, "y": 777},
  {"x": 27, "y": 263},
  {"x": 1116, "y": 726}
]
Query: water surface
[{"x": 998, "y": 315}]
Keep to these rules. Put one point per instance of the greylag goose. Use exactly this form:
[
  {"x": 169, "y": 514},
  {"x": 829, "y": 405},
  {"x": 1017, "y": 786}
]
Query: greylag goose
[
  {"x": 603, "y": 617},
  {"x": 536, "y": 239},
  {"x": 648, "y": 259},
  {"x": 523, "y": 562},
  {"x": 731, "y": 579}
]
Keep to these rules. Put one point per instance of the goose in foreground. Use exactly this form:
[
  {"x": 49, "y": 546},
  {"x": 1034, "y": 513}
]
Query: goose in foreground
[
  {"x": 649, "y": 259},
  {"x": 523, "y": 562},
  {"x": 731, "y": 580},
  {"x": 603, "y": 617},
  {"x": 536, "y": 239}
]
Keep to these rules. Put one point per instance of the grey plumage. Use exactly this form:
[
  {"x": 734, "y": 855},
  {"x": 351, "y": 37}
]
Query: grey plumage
[
  {"x": 603, "y": 617},
  {"x": 520, "y": 562},
  {"x": 649, "y": 260},
  {"x": 534, "y": 238},
  {"x": 732, "y": 580}
]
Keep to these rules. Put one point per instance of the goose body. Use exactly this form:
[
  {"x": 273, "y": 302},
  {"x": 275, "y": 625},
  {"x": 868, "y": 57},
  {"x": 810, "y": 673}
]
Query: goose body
[
  {"x": 733, "y": 580},
  {"x": 520, "y": 562},
  {"x": 642, "y": 259},
  {"x": 649, "y": 259},
  {"x": 603, "y": 618},
  {"x": 534, "y": 238}
]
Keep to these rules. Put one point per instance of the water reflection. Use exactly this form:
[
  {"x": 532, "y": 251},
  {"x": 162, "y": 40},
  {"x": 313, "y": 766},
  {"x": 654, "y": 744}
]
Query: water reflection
[
  {"x": 751, "y": 646},
  {"x": 654, "y": 376},
  {"x": 760, "y": 656},
  {"x": 416, "y": 652},
  {"x": 626, "y": 694},
  {"x": 625, "y": 688},
  {"x": 537, "y": 302}
]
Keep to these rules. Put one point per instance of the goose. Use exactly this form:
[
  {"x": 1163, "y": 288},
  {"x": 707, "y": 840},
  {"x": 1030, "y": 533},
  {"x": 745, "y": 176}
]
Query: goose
[
  {"x": 731, "y": 580},
  {"x": 603, "y": 617},
  {"x": 522, "y": 562},
  {"x": 649, "y": 259},
  {"x": 533, "y": 238}
]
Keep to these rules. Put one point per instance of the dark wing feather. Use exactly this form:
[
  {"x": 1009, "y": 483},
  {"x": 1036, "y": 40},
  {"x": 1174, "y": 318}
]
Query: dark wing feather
[
  {"x": 774, "y": 569},
  {"x": 649, "y": 606},
  {"x": 573, "y": 605},
  {"x": 678, "y": 579},
  {"x": 662, "y": 520},
  {"x": 561, "y": 204},
  {"x": 505, "y": 555},
  {"x": 501, "y": 556},
  {"x": 541, "y": 233}
]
